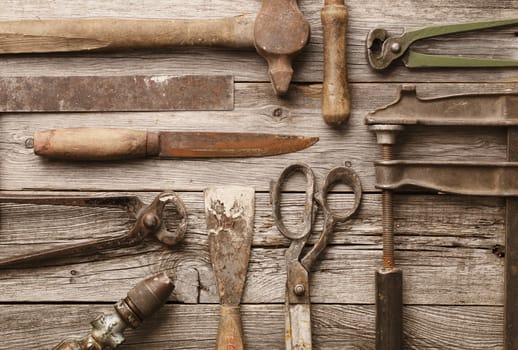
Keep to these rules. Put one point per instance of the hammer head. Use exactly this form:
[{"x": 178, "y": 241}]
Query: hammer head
[{"x": 280, "y": 33}]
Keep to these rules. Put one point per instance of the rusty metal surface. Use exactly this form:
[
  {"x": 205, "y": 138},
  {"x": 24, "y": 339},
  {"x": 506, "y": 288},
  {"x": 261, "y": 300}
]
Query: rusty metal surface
[
  {"x": 389, "y": 290},
  {"x": 469, "y": 109},
  {"x": 101, "y": 144},
  {"x": 467, "y": 178},
  {"x": 149, "y": 220},
  {"x": 229, "y": 213},
  {"x": 221, "y": 144},
  {"x": 116, "y": 93},
  {"x": 298, "y": 265},
  {"x": 280, "y": 33},
  {"x": 383, "y": 49},
  {"x": 142, "y": 301}
]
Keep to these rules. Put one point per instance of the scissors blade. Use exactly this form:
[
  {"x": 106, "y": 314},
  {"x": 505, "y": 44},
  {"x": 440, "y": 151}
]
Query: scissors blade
[{"x": 298, "y": 327}]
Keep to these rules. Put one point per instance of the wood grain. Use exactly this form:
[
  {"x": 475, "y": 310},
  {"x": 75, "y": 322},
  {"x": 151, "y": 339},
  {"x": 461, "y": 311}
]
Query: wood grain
[
  {"x": 449, "y": 247},
  {"x": 335, "y": 327},
  {"x": 256, "y": 111},
  {"x": 454, "y": 251},
  {"x": 249, "y": 66}
]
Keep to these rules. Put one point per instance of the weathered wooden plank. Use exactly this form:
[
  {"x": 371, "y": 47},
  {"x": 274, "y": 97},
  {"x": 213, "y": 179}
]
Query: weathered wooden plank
[
  {"x": 482, "y": 220},
  {"x": 444, "y": 242},
  {"x": 300, "y": 115},
  {"x": 251, "y": 67},
  {"x": 445, "y": 258},
  {"x": 335, "y": 327}
]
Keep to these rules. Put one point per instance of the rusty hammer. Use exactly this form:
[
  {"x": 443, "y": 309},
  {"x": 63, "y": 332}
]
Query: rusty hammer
[{"x": 278, "y": 33}]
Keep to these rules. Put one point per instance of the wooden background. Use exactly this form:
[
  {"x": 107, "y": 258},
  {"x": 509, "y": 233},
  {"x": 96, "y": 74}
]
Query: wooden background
[{"x": 453, "y": 279}]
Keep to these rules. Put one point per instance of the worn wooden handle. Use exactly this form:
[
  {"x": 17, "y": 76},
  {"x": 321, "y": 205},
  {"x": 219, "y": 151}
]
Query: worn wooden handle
[
  {"x": 389, "y": 309},
  {"x": 230, "y": 332},
  {"x": 67, "y": 35},
  {"x": 335, "y": 92},
  {"x": 91, "y": 143}
]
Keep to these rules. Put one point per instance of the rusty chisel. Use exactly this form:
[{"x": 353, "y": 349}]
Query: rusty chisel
[
  {"x": 116, "y": 144},
  {"x": 229, "y": 213}
]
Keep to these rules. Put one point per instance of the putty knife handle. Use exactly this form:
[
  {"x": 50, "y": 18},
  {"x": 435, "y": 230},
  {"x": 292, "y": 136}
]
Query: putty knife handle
[
  {"x": 335, "y": 92},
  {"x": 230, "y": 331},
  {"x": 91, "y": 143}
]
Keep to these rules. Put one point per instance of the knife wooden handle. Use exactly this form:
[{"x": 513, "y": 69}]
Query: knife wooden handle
[
  {"x": 230, "y": 331},
  {"x": 335, "y": 92},
  {"x": 91, "y": 144}
]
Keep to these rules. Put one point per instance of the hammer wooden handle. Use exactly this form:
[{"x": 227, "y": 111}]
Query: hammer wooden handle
[
  {"x": 91, "y": 143},
  {"x": 335, "y": 92},
  {"x": 230, "y": 332},
  {"x": 67, "y": 35}
]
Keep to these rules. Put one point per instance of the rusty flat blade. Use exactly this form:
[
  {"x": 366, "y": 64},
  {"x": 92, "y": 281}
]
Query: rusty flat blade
[
  {"x": 220, "y": 144},
  {"x": 229, "y": 213},
  {"x": 117, "y": 93}
]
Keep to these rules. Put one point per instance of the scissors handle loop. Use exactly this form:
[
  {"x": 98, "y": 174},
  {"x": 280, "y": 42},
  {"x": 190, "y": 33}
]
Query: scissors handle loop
[
  {"x": 342, "y": 175},
  {"x": 345, "y": 176},
  {"x": 308, "y": 214}
]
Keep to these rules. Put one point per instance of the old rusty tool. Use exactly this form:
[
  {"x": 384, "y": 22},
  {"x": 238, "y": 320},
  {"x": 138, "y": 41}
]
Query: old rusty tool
[
  {"x": 114, "y": 144},
  {"x": 149, "y": 220},
  {"x": 116, "y": 93},
  {"x": 297, "y": 310},
  {"x": 229, "y": 212},
  {"x": 389, "y": 278},
  {"x": 336, "y": 105},
  {"x": 142, "y": 301},
  {"x": 383, "y": 49},
  {"x": 465, "y": 178},
  {"x": 278, "y": 34}
]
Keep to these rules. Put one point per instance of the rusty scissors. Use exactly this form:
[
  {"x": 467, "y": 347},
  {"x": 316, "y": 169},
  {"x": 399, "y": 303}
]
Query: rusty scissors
[
  {"x": 149, "y": 220},
  {"x": 298, "y": 318}
]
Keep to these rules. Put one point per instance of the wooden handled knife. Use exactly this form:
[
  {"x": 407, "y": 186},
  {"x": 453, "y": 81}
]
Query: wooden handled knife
[
  {"x": 230, "y": 221},
  {"x": 116, "y": 144}
]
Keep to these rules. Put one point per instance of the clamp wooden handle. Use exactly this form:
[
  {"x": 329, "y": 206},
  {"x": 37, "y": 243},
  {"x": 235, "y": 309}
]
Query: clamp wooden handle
[
  {"x": 389, "y": 309},
  {"x": 335, "y": 92},
  {"x": 230, "y": 332}
]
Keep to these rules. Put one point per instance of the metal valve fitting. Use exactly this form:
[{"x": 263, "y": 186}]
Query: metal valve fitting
[{"x": 142, "y": 301}]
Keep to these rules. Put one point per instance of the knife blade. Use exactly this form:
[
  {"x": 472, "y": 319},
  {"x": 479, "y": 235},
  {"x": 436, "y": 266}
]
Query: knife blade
[
  {"x": 116, "y": 144},
  {"x": 229, "y": 214}
]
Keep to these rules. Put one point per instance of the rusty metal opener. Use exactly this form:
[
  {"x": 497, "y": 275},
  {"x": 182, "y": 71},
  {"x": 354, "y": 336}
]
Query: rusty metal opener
[
  {"x": 149, "y": 220},
  {"x": 298, "y": 317},
  {"x": 465, "y": 178},
  {"x": 383, "y": 49}
]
